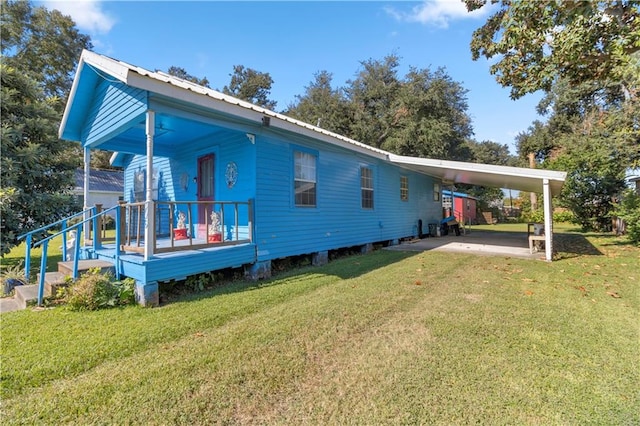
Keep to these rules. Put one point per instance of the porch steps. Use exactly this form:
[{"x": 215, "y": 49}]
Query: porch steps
[{"x": 26, "y": 295}]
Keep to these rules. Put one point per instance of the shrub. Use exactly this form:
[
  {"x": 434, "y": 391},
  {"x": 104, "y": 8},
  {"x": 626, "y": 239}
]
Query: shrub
[
  {"x": 95, "y": 290},
  {"x": 563, "y": 216},
  {"x": 12, "y": 276},
  {"x": 628, "y": 209},
  {"x": 558, "y": 216}
]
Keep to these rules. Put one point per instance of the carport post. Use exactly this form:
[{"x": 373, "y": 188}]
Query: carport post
[{"x": 548, "y": 220}]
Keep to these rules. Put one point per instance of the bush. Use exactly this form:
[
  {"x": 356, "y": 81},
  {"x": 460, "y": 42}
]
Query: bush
[
  {"x": 95, "y": 290},
  {"x": 628, "y": 209},
  {"x": 10, "y": 277},
  {"x": 538, "y": 216},
  {"x": 563, "y": 216}
]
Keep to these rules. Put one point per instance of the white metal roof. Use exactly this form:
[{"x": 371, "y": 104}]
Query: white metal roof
[
  {"x": 449, "y": 171},
  {"x": 484, "y": 174}
]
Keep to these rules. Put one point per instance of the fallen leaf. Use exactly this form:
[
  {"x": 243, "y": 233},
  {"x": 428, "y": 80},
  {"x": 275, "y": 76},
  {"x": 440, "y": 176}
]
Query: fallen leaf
[
  {"x": 418, "y": 282},
  {"x": 582, "y": 289},
  {"x": 613, "y": 294},
  {"x": 528, "y": 292}
]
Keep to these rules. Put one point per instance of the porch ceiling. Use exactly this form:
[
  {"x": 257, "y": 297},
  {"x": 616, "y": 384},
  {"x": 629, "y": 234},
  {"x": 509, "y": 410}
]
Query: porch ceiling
[{"x": 171, "y": 134}]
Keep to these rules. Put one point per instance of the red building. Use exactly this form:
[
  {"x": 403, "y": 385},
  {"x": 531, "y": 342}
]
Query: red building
[{"x": 464, "y": 206}]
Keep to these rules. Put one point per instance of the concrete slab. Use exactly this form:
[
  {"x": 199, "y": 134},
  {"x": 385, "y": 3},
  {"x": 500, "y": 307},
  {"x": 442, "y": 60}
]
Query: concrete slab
[
  {"x": 512, "y": 244},
  {"x": 9, "y": 304}
]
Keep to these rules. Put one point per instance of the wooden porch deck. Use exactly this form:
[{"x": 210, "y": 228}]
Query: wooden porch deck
[{"x": 178, "y": 264}]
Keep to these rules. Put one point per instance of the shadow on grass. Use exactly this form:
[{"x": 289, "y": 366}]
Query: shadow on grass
[
  {"x": 570, "y": 245},
  {"x": 345, "y": 267}
]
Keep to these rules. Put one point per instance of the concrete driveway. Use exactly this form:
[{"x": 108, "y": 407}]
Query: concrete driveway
[{"x": 487, "y": 243}]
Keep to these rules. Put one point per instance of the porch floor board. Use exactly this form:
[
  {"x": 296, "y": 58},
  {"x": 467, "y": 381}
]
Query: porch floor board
[{"x": 180, "y": 263}]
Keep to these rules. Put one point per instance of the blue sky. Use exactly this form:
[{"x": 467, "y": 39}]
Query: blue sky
[{"x": 293, "y": 40}]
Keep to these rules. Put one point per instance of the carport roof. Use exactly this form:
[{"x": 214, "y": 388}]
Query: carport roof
[{"x": 517, "y": 178}]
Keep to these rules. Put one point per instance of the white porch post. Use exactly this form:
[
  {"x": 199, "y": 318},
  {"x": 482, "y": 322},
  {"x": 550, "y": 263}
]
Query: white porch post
[
  {"x": 149, "y": 211},
  {"x": 548, "y": 220},
  {"x": 85, "y": 193}
]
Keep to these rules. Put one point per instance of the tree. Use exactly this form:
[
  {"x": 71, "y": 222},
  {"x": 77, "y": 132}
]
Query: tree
[
  {"x": 585, "y": 56},
  {"x": 537, "y": 140},
  {"x": 44, "y": 43},
  {"x": 37, "y": 171},
  {"x": 39, "y": 50},
  {"x": 372, "y": 96},
  {"x": 183, "y": 74},
  {"x": 430, "y": 118},
  {"x": 251, "y": 86},
  {"x": 595, "y": 175},
  {"x": 322, "y": 105},
  {"x": 539, "y": 41},
  {"x": 423, "y": 114},
  {"x": 489, "y": 152}
]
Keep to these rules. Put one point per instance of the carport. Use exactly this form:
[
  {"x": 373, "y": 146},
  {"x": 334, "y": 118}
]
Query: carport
[{"x": 549, "y": 182}]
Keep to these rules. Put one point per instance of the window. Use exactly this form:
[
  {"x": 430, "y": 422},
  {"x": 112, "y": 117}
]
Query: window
[
  {"x": 366, "y": 187},
  {"x": 304, "y": 181},
  {"x": 436, "y": 192},
  {"x": 404, "y": 188}
]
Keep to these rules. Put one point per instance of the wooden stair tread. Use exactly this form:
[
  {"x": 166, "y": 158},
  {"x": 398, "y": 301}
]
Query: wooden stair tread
[{"x": 86, "y": 264}]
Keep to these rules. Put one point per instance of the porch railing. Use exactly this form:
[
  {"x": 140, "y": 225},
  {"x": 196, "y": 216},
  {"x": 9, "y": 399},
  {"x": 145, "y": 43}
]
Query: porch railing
[
  {"x": 94, "y": 218},
  {"x": 235, "y": 225},
  {"x": 63, "y": 227}
]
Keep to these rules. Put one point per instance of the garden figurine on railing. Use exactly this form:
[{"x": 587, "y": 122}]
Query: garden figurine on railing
[
  {"x": 214, "y": 233},
  {"x": 180, "y": 233}
]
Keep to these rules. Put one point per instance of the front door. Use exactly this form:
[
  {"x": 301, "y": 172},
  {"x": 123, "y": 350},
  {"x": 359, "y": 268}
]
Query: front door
[{"x": 205, "y": 186}]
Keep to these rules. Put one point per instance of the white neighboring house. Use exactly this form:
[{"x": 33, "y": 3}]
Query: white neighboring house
[{"x": 106, "y": 187}]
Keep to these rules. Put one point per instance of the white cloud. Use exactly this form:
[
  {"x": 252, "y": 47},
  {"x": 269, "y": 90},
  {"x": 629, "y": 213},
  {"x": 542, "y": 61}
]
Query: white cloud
[
  {"x": 438, "y": 12},
  {"x": 87, "y": 14}
]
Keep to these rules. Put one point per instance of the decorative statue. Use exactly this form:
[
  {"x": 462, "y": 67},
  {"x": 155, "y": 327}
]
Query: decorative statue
[
  {"x": 214, "y": 227},
  {"x": 181, "y": 219}
]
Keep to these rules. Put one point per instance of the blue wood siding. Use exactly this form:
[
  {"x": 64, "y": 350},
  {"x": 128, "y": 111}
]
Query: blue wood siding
[
  {"x": 338, "y": 220},
  {"x": 176, "y": 177},
  {"x": 115, "y": 106}
]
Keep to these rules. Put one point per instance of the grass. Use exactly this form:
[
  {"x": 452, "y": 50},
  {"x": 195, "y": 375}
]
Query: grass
[{"x": 387, "y": 337}]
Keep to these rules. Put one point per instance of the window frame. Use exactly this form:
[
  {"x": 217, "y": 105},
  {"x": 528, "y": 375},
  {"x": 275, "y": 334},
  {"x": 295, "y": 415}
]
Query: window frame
[
  {"x": 367, "y": 202},
  {"x": 302, "y": 179},
  {"x": 436, "y": 192},
  {"x": 404, "y": 188}
]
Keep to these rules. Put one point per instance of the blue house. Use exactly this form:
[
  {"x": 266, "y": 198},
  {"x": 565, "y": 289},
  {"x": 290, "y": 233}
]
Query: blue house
[{"x": 245, "y": 185}]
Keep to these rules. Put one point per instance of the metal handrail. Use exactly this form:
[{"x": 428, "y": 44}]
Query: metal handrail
[
  {"x": 45, "y": 245},
  {"x": 29, "y": 239}
]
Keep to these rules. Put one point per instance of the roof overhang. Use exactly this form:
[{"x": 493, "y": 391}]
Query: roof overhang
[{"x": 518, "y": 178}]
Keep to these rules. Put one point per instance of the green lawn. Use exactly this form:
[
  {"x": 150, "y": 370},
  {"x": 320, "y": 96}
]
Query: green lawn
[{"x": 382, "y": 338}]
